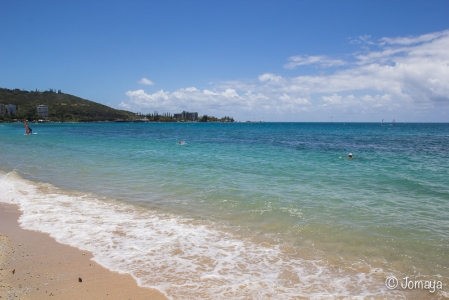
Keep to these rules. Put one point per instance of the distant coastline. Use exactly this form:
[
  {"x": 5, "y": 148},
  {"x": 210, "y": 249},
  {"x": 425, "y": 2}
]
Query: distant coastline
[{"x": 64, "y": 107}]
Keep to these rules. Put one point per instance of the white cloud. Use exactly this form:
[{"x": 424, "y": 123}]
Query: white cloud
[
  {"x": 270, "y": 78},
  {"x": 363, "y": 39},
  {"x": 320, "y": 60},
  {"x": 410, "y": 40},
  {"x": 287, "y": 99},
  {"x": 124, "y": 105},
  {"x": 334, "y": 99},
  {"x": 145, "y": 81},
  {"x": 230, "y": 93},
  {"x": 141, "y": 99},
  {"x": 207, "y": 92},
  {"x": 406, "y": 77}
]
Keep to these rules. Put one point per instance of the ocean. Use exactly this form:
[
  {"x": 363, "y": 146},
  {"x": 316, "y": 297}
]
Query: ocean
[{"x": 243, "y": 210}]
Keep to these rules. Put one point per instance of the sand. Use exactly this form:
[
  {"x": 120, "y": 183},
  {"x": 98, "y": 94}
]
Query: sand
[{"x": 34, "y": 266}]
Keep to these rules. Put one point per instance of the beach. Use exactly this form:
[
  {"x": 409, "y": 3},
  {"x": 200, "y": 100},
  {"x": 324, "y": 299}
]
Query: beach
[{"x": 34, "y": 266}]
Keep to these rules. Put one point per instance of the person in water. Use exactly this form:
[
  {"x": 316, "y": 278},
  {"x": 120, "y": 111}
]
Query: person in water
[
  {"x": 350, "y": 155},
  {"x": 30, "y": 130}
]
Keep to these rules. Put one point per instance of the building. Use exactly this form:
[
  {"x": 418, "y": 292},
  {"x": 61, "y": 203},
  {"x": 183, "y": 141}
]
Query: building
[
  {"x": 11, "y": 109},
  {"x": 2, "y": 109},
  {"x": 192, "y": 116},
  {"x": 42, "y": 110},
  {"x": 185, "y": 115}
]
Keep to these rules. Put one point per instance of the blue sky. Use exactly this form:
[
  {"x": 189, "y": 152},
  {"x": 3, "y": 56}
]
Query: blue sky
[{"x": 253, "y": 60}]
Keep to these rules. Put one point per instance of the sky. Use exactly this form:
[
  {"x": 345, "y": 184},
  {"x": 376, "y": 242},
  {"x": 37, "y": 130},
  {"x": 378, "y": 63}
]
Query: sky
[{"x": 283, "y": 60}]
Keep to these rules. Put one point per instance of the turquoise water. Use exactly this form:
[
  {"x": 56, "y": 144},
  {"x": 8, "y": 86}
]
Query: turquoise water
[{"x": 282, "y": 187}]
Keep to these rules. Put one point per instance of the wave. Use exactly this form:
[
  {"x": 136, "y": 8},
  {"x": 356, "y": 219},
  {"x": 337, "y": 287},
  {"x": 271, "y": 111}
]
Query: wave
[{"x": 183, "y": 258}]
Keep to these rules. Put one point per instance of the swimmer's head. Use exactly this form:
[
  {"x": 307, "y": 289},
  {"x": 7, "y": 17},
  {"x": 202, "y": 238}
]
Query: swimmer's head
[{"x": 350, "y": 155}]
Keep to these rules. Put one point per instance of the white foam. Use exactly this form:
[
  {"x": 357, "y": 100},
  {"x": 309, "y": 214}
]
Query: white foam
[{"x": 183, "y": 258}]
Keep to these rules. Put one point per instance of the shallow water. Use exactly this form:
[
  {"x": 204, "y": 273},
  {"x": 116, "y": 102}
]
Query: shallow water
[{"x": 266, "y": 210}]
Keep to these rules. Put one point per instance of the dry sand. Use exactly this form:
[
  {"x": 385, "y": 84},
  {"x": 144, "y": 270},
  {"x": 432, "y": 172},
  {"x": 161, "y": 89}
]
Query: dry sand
[{"x": 34, "y": 266}]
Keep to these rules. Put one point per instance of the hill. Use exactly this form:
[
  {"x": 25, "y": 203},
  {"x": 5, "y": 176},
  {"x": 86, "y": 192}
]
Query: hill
[{"x": 61, "y": 107}]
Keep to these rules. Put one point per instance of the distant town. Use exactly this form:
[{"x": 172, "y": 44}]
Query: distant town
[{"x": 184, "y": 116}]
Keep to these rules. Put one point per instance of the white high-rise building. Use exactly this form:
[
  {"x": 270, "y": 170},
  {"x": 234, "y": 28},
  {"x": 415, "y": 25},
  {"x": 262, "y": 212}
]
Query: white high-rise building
[
  {"x": 42, "y": 110},
  {"x": 11, "y": 109}
]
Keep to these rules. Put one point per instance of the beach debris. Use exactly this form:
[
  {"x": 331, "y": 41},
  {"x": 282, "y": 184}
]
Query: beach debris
[
  {"x": 13, "y": 271},
  {"x": 79, "y": 279}
]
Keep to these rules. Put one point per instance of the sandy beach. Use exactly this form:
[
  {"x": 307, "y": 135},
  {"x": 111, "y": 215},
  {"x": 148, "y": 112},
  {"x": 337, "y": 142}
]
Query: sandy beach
[{"x": 34, "y": 266}]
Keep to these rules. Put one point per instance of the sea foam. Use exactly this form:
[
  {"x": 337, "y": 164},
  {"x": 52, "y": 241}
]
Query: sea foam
[{"x": 183, "y": 258}]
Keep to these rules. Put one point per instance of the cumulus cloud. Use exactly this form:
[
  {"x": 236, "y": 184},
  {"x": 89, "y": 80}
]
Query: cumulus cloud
[
  {"x": 230, "y": 93},
  {"x": 406, "y": 76},
  {"x": 145, "y": 81},
  {"x": 270, "y": 78},
  {"x": 210, "y": 93},
  {"x": 124, "y": 105},
  {"x": 288, "y": 99}
]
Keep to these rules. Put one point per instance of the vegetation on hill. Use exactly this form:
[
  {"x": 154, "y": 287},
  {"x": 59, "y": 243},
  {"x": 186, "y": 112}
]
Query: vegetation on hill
[
  {"x": 207, "y": 118},
  {"x": 61, "y": 107}
]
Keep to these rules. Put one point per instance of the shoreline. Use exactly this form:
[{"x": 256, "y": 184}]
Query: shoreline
[{"x": 34, "y": 266}]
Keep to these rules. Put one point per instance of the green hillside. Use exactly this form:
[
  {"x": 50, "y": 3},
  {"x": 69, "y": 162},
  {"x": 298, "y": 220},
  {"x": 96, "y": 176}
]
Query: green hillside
[{"x": 61, "y": 107}]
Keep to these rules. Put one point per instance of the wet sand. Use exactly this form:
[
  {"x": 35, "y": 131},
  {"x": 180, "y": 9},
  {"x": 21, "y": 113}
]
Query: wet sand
[{"x": 34, "y": 266}]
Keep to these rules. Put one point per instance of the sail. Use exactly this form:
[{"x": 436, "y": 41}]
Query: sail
[{"x": 27, "y": 131}]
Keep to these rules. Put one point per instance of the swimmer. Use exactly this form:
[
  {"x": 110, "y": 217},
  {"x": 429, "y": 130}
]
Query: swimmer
[
  {"x": 181, "y": 142},
  {"x": 350, "y": 155}
]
